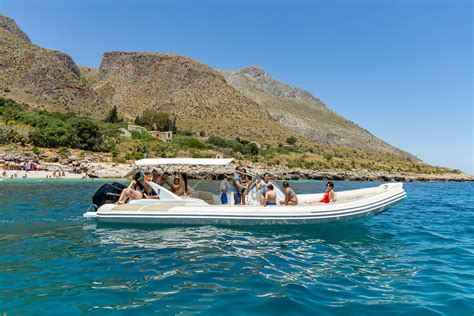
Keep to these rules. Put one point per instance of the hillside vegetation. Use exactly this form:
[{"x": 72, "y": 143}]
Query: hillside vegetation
[{"x": 30, "y": 129}]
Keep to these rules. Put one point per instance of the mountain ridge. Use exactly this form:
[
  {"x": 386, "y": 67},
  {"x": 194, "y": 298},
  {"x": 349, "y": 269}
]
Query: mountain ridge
[
  {"x": 246, "y": 103},
  {"x": 299, "y": 110}
]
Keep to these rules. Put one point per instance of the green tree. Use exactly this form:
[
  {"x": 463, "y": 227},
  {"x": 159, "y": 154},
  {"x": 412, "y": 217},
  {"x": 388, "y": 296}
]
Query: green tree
[
  {"x": 51, "y": 136},
  {"x": 138, "y": 120},
  {"x": 112, "y": 117},
  {"x": 85, "y": 134},
  {"x": 155, "y": 120},
  {"x": 252, "y": 148}
]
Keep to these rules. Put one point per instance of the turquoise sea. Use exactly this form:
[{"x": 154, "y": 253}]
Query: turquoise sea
[{"x": 415, "y": 259}]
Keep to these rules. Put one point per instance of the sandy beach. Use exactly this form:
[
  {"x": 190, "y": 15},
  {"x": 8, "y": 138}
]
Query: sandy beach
[{"x": 42, "y": 174}]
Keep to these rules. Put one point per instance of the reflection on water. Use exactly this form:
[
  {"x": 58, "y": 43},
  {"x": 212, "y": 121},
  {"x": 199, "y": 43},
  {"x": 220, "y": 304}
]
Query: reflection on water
[{"x": 413, "y": 259}]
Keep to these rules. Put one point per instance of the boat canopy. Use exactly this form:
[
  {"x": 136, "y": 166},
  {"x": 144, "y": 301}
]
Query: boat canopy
[{"x": 183, "y": 161}]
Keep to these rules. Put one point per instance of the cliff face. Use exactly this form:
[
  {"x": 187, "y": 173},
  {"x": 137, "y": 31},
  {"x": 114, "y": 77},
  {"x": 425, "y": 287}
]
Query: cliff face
[
  {"x": 303, "y": 113},
  {"x": 44, "y": 78},
  {"x": 197, "y": 95}
]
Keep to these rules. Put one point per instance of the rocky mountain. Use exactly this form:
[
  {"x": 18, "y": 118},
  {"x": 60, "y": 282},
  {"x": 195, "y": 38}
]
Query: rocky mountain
[
  {"x": 7, "y": 24},
  {"x": 197, "y": 95},
  {"x": 44, "y": 78},
  {"x": 247, "y": 103},
  {"x": 303, "y": 113}
]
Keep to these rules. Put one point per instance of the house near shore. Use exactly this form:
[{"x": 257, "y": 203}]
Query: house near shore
[
  {"x": 136, "y": 128},
  {"x": 164, "y": 136}
]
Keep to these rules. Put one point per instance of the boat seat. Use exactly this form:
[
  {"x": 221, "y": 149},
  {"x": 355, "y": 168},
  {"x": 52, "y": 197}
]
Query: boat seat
[
  {"x": 145, "y": 207},
  {"x": 202, "y": 195}
]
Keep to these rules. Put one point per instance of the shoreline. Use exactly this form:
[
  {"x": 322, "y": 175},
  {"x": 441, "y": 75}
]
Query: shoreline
[
  {"x": 283, "y": 173},
  {"x": 114, "y": 171},
  {"x": 40, "y": 174},
  {"x": 96, "y": 166}
]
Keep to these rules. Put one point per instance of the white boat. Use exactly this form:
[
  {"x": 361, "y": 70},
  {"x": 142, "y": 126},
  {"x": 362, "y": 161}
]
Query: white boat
[{"x": 203, "y": 208}]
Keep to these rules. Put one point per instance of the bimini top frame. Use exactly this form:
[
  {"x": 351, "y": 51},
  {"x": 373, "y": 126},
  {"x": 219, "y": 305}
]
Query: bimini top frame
[{"x": 183, "y": 161}]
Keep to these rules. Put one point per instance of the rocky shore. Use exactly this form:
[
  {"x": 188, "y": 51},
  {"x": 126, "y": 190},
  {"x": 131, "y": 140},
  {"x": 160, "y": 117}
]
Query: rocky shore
[
  {"x": 283, "y": 173},
  {"x": 95, "y": 167}
]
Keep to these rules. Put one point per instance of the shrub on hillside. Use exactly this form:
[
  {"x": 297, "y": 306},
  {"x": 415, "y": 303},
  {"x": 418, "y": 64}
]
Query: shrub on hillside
[
  {"x": 291, "y": 140},
  {"x": 35, "y": 150},
  {"x": 53, "y": 136},
  {"x": 164, "y": 150},
  {"x": 9, "y": 136},
  {"x": 190, "y": 143},
  {"x": 63, "y": 152},
  {"x": 144, "y": 136},
  {"x": 237, "y": 145}
]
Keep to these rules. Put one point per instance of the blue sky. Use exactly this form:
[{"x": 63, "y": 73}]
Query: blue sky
[{"x": 400, "y": 69}]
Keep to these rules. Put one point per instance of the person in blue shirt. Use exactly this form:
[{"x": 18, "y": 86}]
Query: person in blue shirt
[{"x": 238, "y": 186}]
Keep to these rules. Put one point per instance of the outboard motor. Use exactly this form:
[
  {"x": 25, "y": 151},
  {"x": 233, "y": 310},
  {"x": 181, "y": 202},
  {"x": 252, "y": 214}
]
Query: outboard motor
[{"x": 108, "y": 193}]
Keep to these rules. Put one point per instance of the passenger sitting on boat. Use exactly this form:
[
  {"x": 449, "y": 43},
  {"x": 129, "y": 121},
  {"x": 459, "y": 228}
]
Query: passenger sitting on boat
[
  {"x": 155, "y": 176},
  {"x": 238, "y": 186},
  {"x": 290, "y": 195},
  {"x": 329, "y": 195},
  {"x": 270, "y": 196},
  {"x": 138, "y": 189},
  {"x": 163, "y": 179},
  {"x": 262, "y": 185},
  {"x": 179, "y": 185}
]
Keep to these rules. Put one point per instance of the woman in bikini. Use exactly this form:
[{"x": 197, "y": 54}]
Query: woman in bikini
[
  {"x": 290, "y": 195},
  {"x": 138, "y": 189}
]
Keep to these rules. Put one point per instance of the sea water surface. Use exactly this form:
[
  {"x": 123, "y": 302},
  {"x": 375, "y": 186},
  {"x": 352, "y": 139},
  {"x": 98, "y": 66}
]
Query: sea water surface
[{"x": 415, "y": 259}]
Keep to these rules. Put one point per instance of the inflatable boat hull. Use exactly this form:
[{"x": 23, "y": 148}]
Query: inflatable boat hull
[{"x": 355, "y": 204}]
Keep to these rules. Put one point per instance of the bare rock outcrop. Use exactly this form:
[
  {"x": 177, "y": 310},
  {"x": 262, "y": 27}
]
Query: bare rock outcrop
[
  {"x": 41, "y": 77},
  {"x": 197, "y": 95},
  {"x": 107, "y": 170},
  {"x": 8, "y": 24}
]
